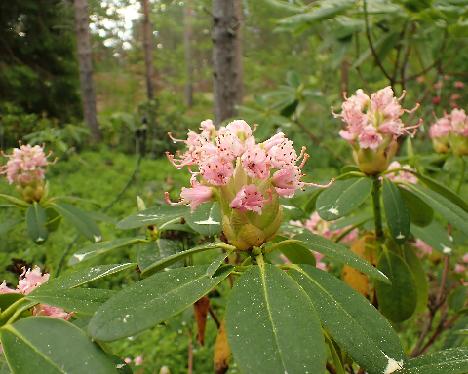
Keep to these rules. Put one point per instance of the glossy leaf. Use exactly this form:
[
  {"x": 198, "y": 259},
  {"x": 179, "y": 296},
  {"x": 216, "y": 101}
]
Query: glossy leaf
[
  {"x": 420, "y": 278},
  {"x": 6, "y": 299},
  {"x": 272, "y": 325},
  {"x": 80, "y": 220},
  {"x": 77, "y": 278},
  {"x": 205, "y": 220},
  {"x": 154, "y": 251},
  {"x": 396, "y": 212},
  {"x": 296, "y": 253},
  {"x": 79, "y": 300},
  {"x": 342, "y": 197},
  {"x": 455, "y": 215},
  {"x": 420, "y": 213},
  {"x": 172, "y": 259},
  {"x": 397, "y": 301},
  {"x": 217, "y": 262},
  {"x": 156, "y": 215},
  {"x": 449, "y": 361},
  {"x": 340, "y": 253},
  {"x": 36, "y": 221},
  {"x": 435, "y": 235},
  {"x": 51, "y": 345},
  {"x": 357, "y": 327},
  {"x": 148, "y": 302},
  {"x": 97, "y": 249}
]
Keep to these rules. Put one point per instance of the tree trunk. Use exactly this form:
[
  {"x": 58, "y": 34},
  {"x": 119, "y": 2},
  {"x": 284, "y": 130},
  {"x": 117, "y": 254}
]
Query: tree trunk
[
  {"x": 188, "y": 52},
  {"x": 225, "y": 62},
  {"x": 148, "y": 48},
  {"x": 85, "y": 62}
]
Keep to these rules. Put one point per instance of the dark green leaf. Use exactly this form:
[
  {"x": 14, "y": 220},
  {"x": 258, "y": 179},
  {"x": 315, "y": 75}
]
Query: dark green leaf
[
  {"x": 172, "y": 259},
  {"x": 156, "y": 215},
  {"x": 152, "y": 252},
  {"x": 420, "y": 213},
  {"x": 36, "y": 220},
  {"x": 51, "y": 345},
  {"x": 457, "y": 298},
  {"x": 6, "y": 299},
  {"x": 357, "y": 327},
  {"x": 296, "y": 253},
  {"x": 206, "y": 219},
  {"x": 397, "y": 301},
  {"x": 272, "y": 326},
  {"x": 396, "y": 213},
  {"x": 79, "y": 300},
  {"x": 453, "y": 213},
  {"x": 146, "y": 303},
  {"x": 449, "y": 361},
  {"x": 339, "y": 253},
  {"x": 77, "y": 278},
  {"x": 97, "y": 249},
  {"x": 80, "y": 220},
  {"x": 342, "y": 197},
  {"x": 420, "y": 278},
  {"x": 435, "y": 235}
]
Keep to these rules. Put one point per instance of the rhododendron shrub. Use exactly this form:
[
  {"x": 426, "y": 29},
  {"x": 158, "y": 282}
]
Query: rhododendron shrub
[
  {"x": 26, "y": 169},
  {"x": 450, "y": 133}
]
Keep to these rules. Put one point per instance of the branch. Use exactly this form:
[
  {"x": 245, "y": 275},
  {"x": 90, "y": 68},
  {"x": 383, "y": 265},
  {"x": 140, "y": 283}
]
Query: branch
[{"x": 371, "y": 46}]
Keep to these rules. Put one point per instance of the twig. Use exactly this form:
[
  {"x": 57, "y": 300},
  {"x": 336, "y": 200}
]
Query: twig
[
  {"x": 371, "y": 46},
  {"x": 215, "y": 318},
  {"x": 330, "y": 368}
]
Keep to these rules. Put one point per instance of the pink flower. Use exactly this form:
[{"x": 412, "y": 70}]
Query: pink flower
[
  {"x": 4, "y": 289},
  {"x": 43, "y": 310},
  {"x": 286, "y": 181},
  {"x": 459, "y": 269},
  {"x": 458, "y": 84},
  {"x": 441, "y": 128},
  {"x": 459, "y": 121},
  {"x": 385, "y": 103},
  {"x": 465, "y": 258},
  {"x": 370, "y": 138},
  {"x": 31, "y": 279},
  {"x": 216, "y": 170},
  {"x": 26, "y": 165},
  {"x": 282, "y": 154},
  {"x": 256, "y": 162},
  {"x": 240, "y": 128},
  {"x": 128, "y": 360},
  {"x": 249, "y": 198},
  {"x": 196, "y": 195},
  {"x": 424, "y": 248},
  {"x": 401, "y": 175},
  {"x": 138, "y": 360}
]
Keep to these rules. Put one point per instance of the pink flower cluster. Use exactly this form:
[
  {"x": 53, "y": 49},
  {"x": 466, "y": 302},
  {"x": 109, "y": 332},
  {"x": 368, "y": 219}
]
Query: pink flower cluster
[
  {"x": 373, "y": 120},
  {"x": 28, "y": 281},
  {"x": 454, "y": 122},
  {"x": 26, "y": 165},
  {"x": 401, "y": 175},
  {"x": 229, "y": 159},
  {"x": 319, "y": 226},
  {"x": 138, "y": 360}
]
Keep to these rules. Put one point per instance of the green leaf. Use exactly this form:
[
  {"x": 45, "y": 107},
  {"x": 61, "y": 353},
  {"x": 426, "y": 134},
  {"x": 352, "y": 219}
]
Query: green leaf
[
  {"x": 453, "y": 213},
  {"x": 156, "y": 215},
  {"x": 420, "y": 278},
  {"x": 435, "y": 235},
  {"x": 342, "y": 197},
  {"x": 8, "y": 225},
  {"x": 77, "y": 278},
  {"x": 272, "y": 326},
  {"x": 36, "y": 220},
  {"x": 326, "y": 10},
  {"x": 169, "y": 260},
  {"x": 442, "y": 190},
  {"x": 217, "y": 262},
  {"x": 14, "y": 200},
  {"x": 420, "y": 213},
  {"x": 151, "y": 301},
  {"x": 80, "y": 220},
  {"x": 152, "y": 252},
  {"x": 206, "y": 219},
  {"x": 296, "y": 253},
  {"x": 6, "y": 299},
  {"x": 449, "y": 361},
  {"x": 339, "y": 253},
  {"x": 51, "y": 345},
  {"x": 357, "y": 327},
  {"x": 457, "y": 298},
  {"x": 396, "y": 213},
  {"x": 79, "y": 300},
  {"x": 397, "y": 301},
  {"x": 97, "y": 249}
]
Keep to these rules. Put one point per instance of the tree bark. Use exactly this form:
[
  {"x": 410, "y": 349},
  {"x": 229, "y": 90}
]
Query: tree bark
[
  {"x": 188, "y": 52},
  {"x": 148, "y": 48},
  {"x": 225, "y": 62},
  {"x": 85, "y": 62},
  {"x": 239, "y": 50}
]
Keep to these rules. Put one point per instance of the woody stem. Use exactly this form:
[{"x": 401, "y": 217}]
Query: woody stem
[{"x": 376, "y": 185}]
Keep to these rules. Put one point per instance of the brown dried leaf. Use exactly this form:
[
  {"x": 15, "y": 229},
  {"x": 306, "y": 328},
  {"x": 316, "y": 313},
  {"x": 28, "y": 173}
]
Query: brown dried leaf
[
  {"x": 222, "y": 352},
  {"x": 201, "y": 309}
]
